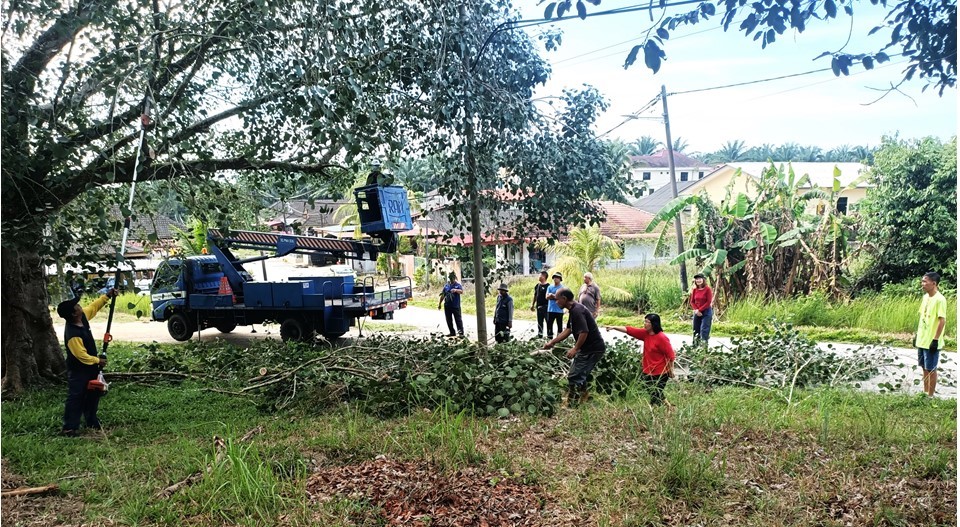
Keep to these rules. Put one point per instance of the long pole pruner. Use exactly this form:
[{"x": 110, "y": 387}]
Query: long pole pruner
[{"x": 145, "y": 123}]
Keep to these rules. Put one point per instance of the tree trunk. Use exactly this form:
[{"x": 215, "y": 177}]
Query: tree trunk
[{"x": 31, "y": 351}]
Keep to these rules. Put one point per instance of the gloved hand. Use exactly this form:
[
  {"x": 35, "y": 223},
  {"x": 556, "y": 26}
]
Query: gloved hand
[{"x": 934, "y": 345}]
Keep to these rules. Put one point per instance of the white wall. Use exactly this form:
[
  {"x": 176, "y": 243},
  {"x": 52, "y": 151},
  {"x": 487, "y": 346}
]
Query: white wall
[{"x": 660, "y": 177}]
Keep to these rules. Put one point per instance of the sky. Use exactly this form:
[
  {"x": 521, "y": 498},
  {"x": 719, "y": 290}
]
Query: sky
[{"x": 818, "y": 109}]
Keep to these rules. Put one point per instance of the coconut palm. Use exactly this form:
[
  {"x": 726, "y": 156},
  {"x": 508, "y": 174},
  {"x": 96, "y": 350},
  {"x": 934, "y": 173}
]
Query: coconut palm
[
  {"x": 586, "y": 250},
  {"x": 735, "y": 150},
  {"x": 644, "y": 146},
  {"x": 679, "y": 145}
]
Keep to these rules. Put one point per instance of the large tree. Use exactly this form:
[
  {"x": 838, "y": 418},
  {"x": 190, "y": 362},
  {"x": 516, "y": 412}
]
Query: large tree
[
  {"x": 910, "y": 213},
  {"x": 291, "y": 90},
  {"x": 283, "y": 86}
]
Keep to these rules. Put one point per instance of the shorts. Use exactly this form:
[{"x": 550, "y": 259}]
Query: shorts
[{"x": 928, "y": 360}]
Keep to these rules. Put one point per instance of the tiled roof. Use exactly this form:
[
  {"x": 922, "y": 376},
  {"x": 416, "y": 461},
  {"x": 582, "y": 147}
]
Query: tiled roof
[
  {"x": 301, "y": 212},
  {"x": 624, "y": 221},
  {"x": 661, "y": 160}
]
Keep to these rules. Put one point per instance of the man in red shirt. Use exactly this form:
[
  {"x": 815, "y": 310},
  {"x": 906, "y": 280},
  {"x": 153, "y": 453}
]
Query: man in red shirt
[{"x": 658, "y": 355}]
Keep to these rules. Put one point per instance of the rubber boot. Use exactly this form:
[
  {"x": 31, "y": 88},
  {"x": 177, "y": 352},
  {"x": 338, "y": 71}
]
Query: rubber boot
[{"x": 573, "y": 396}]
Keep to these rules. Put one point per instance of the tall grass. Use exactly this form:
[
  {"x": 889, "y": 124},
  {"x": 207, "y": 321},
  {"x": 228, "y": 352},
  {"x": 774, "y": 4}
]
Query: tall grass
[{"x": 876, "y": 312}]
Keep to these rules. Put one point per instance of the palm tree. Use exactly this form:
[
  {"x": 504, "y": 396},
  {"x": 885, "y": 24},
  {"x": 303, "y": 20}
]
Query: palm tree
[
  {"x": 644, "y": 146},
  {"x": 732, "y": 151},
  {"x": 763, "y": 152},
  {"x": 787, "y": 152},
  {"x": 586, "y": 250},
  {"x": 679, "y": 145},
  {"x": 811, "y": 153}
]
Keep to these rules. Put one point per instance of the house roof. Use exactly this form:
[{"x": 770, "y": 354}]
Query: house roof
[
  {"x": 655, "y": 202},
  {"x": 319, "y": 214},
  {"x": 661, "y": 160},
  {"x": 624, "y": 221},
  {"x": 821, "y": 174}
]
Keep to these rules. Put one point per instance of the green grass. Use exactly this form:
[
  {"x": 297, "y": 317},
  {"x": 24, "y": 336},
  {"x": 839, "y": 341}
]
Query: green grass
[{"x": 611, "y": 462}]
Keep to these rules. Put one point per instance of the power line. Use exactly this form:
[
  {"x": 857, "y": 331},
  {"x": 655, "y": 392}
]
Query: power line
[
  {"x": 634, "y": 115},
  {"x": 758, "y": 81}
]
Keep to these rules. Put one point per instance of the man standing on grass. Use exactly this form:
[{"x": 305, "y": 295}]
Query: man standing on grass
[
  {"x": 83, "y": 363},
  {"x": 586, "y": 351},
  {"x": 933, "y": 318},
  {"x": 590, "y": 295}
]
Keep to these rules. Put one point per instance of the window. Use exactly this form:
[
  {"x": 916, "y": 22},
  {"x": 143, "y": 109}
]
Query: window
[
  {"x": 167, "y": 276},
  {"x": 646, "y": 176},
  {"x": 842, "y": 205},
  {"x": 700, "y": 176},
  {"x": 684, "y": 176}
]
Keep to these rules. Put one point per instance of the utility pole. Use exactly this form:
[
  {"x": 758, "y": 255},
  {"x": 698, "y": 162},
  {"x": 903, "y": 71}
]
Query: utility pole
[
  {"x": 673, "y": 187},
  {"x": 471, "y": 166}
]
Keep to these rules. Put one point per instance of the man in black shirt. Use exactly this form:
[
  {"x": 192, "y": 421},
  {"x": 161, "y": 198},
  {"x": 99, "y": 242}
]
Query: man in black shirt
[
  {"x": 540, "y": 302},
  {"x": 586, "y": 351}
]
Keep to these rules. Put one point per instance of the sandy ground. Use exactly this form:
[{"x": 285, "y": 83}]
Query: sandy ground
[{"x": 427, "y": 321}]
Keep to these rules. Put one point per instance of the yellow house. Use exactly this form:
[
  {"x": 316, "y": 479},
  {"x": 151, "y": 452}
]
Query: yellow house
[{"x": 724, "y": 180}]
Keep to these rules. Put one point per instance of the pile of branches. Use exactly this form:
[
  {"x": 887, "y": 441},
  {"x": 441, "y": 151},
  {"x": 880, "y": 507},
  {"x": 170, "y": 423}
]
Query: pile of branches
[
  {"x": 386, "y": 375},
  {"x": 779, "y": 357}
]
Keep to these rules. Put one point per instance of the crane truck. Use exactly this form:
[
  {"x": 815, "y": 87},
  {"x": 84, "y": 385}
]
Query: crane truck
[{"x": 215, "y": 291}]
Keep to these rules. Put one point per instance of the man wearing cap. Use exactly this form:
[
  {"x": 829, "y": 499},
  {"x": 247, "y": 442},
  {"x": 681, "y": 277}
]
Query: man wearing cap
[
  {"x": 554, "y": 311},
  {"x": 503, "y": 314},
  {"x": 83, "y": 363},
  {"x": 450, "y": 300}
]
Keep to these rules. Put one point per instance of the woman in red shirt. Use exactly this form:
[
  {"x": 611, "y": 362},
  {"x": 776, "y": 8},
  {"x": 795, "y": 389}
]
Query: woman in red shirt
[
  {"x": 658, "y": 355},
  {"x": 701, "y": 301}
]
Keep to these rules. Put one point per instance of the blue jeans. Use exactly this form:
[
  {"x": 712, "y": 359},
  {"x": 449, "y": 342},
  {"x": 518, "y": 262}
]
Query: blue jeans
[
  {"x": 702, "y": 324},
  {"x": 928, "y": 360}
]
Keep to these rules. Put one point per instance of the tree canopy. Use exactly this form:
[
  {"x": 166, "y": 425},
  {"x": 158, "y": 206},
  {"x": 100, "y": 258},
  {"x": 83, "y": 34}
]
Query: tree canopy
[
  {"x": 924, "y": 31},
  {"x": 221, "y": 103},
  {"x": 910, "y": 214}
]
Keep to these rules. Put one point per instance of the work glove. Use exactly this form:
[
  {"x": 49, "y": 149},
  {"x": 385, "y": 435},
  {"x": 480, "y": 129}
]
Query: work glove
[{"x": 934, "y": 345}]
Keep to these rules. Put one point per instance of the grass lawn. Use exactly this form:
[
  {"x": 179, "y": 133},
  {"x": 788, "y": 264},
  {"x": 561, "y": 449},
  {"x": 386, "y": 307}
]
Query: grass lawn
[{"x": 725, "y": 456}]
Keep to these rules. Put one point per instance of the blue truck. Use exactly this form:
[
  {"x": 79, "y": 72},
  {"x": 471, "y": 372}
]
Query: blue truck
[{"x": 215, "y": 291}]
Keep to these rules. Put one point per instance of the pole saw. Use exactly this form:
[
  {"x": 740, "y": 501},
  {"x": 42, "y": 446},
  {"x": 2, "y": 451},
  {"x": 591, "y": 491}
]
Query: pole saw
[{"x": 145, "y": 123}]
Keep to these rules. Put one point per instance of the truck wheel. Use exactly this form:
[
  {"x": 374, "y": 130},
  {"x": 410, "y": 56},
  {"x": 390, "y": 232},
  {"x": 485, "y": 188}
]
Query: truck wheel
[
  {"x": 180, "y": 327},
  {"x": 296, "y": 330},
  {"x": 226, "y": 327}
]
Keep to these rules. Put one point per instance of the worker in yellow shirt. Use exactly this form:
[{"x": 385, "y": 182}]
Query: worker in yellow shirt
[
  {"x": 83, "y": 363},
  {"x": 933, "y": 318}
]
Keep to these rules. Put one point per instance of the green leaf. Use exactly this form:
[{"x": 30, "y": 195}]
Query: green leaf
[
  {"x": 741, "y": 206},
  {"x": 503, "y": 412},
  {"x": 768, "y": 232},
  {"x": 548, "y": 12}
]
